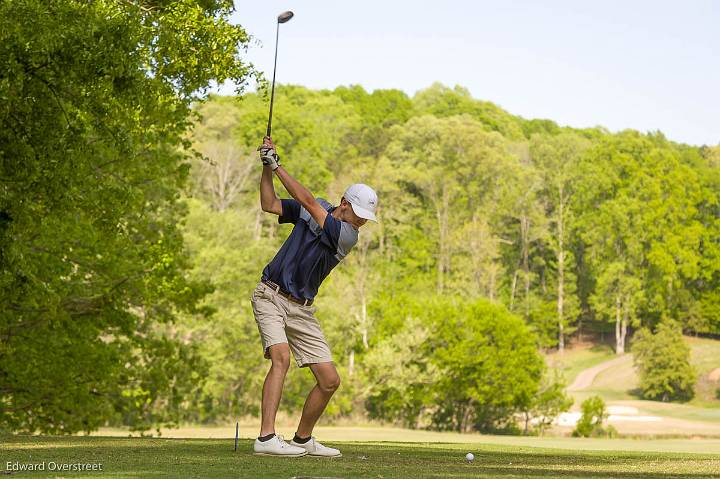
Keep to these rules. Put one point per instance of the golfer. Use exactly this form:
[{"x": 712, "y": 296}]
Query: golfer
[{"x": 283, "y": 299}]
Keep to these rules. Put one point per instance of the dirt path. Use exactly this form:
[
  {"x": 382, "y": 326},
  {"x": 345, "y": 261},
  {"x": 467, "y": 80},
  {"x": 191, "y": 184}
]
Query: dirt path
[{"x": 585, "y": 379}]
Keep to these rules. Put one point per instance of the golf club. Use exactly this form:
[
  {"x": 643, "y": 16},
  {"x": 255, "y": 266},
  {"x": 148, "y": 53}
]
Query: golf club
[{"x": 282, "y": 18}]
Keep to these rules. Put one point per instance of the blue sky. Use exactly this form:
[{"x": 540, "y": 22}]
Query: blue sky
[{"x": 647, "y": 65}]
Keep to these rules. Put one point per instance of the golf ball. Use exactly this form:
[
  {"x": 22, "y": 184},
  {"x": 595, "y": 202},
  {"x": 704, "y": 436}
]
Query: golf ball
[{"x": 470, "y": 457}]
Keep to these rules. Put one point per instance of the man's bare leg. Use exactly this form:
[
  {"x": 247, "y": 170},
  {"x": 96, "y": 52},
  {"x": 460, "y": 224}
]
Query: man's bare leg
[
  {"x": 328, "y": 381},
  {"x": 273, "y": 386}
]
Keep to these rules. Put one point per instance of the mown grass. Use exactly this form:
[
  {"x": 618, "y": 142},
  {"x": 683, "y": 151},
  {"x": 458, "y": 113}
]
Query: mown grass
[
  {"x": 154, "y": 458},
  {"x": 621, "y": 381},
  {"x": 573, "y": 361},
  {"x": 705, "y": 357}
]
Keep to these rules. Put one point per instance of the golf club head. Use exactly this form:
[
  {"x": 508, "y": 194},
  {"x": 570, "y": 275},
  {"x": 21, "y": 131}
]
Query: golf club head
[{"x": 285, "y": 17}]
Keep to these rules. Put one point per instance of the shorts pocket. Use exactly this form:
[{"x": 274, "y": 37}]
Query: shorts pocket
[
  {"x": 257, "y": 294},
  {"x": 308, "y": 309}
]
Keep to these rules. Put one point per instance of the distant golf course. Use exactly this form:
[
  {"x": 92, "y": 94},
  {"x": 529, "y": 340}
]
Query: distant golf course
[{"x": 598, "y": 371}]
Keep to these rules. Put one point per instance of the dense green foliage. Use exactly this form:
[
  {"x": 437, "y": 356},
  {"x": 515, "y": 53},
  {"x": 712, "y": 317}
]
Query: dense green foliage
[
  {"x": 491, "y": 368},
  {"x": 128, "y": 261},
  {"x": 593, "y": 418},
  {"x": 95, "y": 103},
  {"x": 547, "y": 404},
  {"x": 663, "y": 361},
  {"x": 454, "y": 365},
  {"x": 567, "y": 229}
]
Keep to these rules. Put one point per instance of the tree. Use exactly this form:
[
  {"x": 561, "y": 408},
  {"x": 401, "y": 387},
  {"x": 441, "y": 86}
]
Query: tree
[
  {"x": 476, "y": 264},
  {"x": 379, "y": 111},
  {"x": 230, "y": 338},
  {"x": 490, "y": 367},
  {"x": 453, "y": 365},
  {"x": 558, "y": 159},
  {"x": 647, "y": 229},
  {"x": 441, "y": 101},
  {"x": 618, "y": 282},
  {"x": 93, "y": 146},
  {"x": 704, "y": 291},
  {"x": 313, "y": 131},
  {"x": 525, "y": 225},
  {"x": 591, "y": 421},
  {"x": 663, "y": 362},
  {"x": 613, "y": 227},
  {"x": 549, "y": 402},
  {"x": 399, "y": 374},
  {"x": 224, "y": 171},
  {"x": 450, "y": 167}
]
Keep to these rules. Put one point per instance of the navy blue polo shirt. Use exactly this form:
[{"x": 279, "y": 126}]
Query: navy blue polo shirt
[{"x": 310, "y": 252}]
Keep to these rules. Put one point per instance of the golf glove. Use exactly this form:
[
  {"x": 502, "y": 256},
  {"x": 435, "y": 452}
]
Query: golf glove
[{"x": 270, "y": 158}]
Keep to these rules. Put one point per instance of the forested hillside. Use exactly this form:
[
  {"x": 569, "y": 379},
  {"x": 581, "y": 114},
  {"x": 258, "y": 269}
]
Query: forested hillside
[{"x": 567, "y": 229}]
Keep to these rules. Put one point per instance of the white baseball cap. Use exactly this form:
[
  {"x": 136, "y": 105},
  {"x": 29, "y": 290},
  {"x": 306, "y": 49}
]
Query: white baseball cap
[{"x": 363, "y": 200}]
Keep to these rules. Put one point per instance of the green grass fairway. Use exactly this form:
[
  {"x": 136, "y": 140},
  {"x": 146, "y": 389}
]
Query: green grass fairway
[
  {"x": 214, "y": 458},
  {"x": 620, "y": 382},
  {"x": 572, "y": 361}
]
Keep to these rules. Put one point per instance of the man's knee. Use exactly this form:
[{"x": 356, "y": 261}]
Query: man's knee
[
  {"x": 280, "y": 357},
  {"x": 329, "y": 384}
]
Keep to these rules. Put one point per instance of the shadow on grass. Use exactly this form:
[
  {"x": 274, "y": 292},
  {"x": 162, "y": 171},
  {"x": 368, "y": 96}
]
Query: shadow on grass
[
  {"x": 603, "y": 348},
  {"x": 544, "y": 465},
  {"x": 635, "y": 393},
  {"x": 588, "y": 464}
]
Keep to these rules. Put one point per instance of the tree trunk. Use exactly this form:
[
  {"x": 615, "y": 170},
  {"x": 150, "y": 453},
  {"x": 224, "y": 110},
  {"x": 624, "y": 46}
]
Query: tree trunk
[
  {"x": 226, "y": 178},
  {"x": 491, "y": 286},
  {"x": 525, "y": 234},
  {"x": 560, "y": 303},
  {"x": 381, "y": 235},
  {"x": 364, "y": 320},
  {"x": 513, "y": 289},
  {"x": 620, "y": 327},
  {"x": 624, "y": 325},
  {"x": 441, "y": 208},
  {"x": 561, "y": 278},
  {"x": 466, "y": 417}
]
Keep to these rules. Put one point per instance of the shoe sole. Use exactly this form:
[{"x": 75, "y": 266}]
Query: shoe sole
[
  {"x": 278, "y": 455},
  {"x": 320, "y": 455}
]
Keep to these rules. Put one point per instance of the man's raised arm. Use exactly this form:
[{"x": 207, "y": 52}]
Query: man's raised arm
[
  {"x": 302, "y": 195},
  {"x": 269, "y": 202}
]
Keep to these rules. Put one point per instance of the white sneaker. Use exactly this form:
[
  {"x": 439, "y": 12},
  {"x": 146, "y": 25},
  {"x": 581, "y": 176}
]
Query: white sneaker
[
  {"x": 314, "y": 448},
  {"x": 277, "y": 447}
]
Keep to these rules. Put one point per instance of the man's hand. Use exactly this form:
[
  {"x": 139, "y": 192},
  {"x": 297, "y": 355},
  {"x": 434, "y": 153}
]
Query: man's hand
[{"x": 268, "y": 154}]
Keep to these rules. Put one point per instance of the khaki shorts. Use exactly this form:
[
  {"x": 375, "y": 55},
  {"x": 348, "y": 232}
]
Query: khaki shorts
[{"x": 279, "y": 320}]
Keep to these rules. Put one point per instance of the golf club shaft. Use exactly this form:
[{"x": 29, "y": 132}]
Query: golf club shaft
[{"x": 272, "y": 93}]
